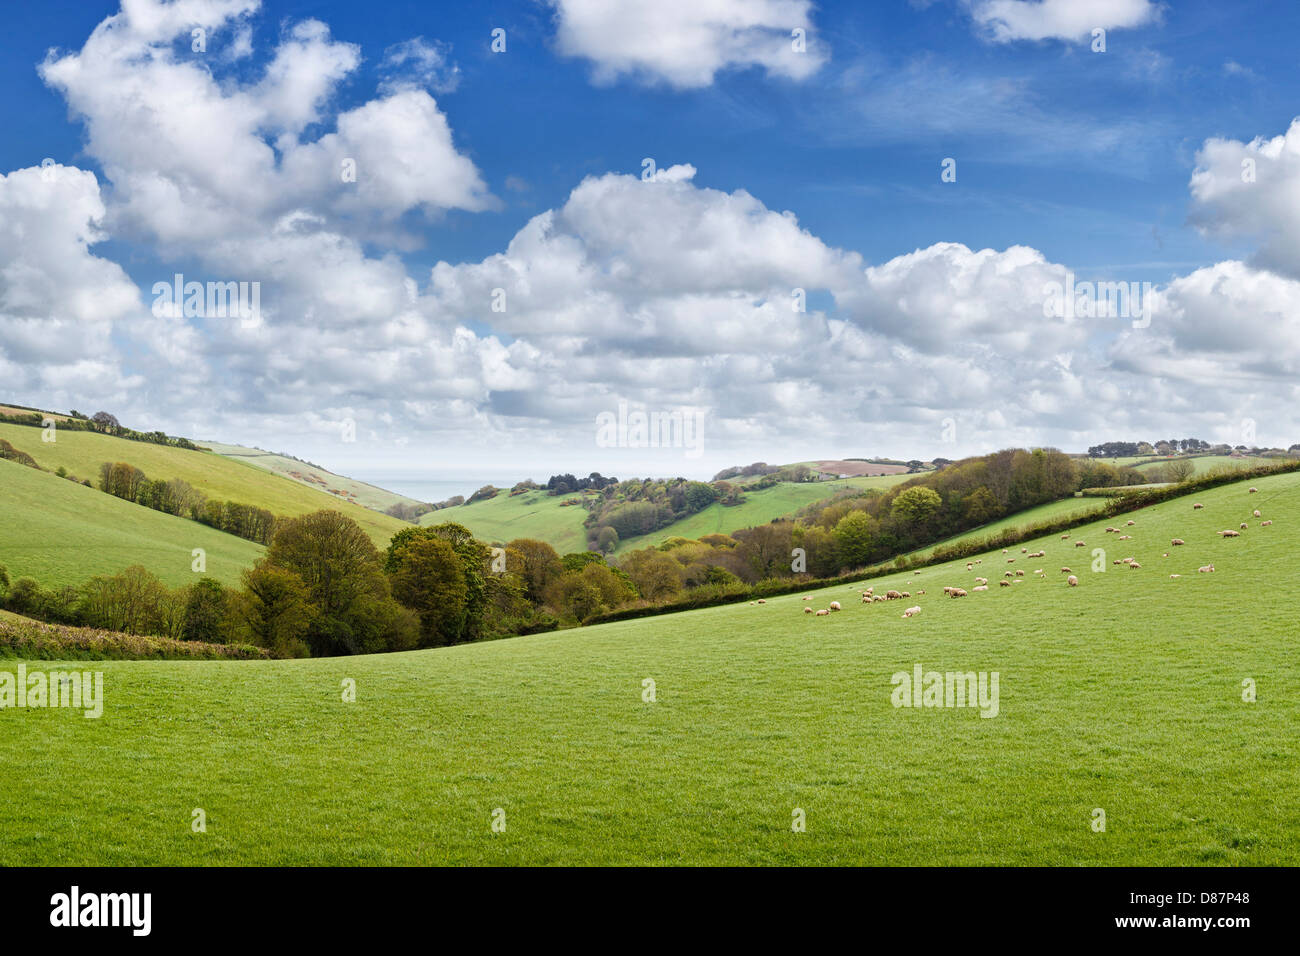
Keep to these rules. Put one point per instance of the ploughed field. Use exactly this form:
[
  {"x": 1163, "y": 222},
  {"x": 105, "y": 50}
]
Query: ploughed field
[{"x": 1123, "y": 694}]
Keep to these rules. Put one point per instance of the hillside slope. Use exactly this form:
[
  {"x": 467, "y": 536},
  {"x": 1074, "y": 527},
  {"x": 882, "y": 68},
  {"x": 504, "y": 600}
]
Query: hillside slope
[
  {"x": 62, "y": 533},
  {"x": 346, "y": 489},
  {"x": 1123, "y": 694},
  {"x": 536, "y": 514},
  {"x": 81, "y": 453}
]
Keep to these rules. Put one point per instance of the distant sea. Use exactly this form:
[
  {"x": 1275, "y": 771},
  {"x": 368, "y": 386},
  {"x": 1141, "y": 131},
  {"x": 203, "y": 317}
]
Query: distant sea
[{"x": 433, "y": 489}]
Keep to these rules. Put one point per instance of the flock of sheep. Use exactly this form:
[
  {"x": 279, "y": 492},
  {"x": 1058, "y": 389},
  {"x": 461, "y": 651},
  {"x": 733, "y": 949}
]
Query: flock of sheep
[{"x": 1012, "y": 577}]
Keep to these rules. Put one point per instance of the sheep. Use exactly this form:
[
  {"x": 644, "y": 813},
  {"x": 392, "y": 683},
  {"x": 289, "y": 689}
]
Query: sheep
[
  {"x": 1039, "y": 554},
  {"x": 1004, "y": 550},
  {"x": 1004, "y": 584},
  {"x": 969, "y": 566},
  {"x": 1130, "y": 523},
  {"x": 1072, "y": 581},
  {"x": 835, "y": 605},
  {"x": 1065, "y": 537},
  {"x": 1023, "y": 550},
  {"x": 1243, "y": 526},
  {"x": 1177, "y": 542},
  {"x": 1080, "y": 544},
  {"x": 1133, "y": 565},
  {"x": 1126, "y": 537},
  {"x": 1175, "y": 576},
  {"x": 1257, "y": 514},
  {"x": 807, "y": 610},
  {"x": 1111, "y": 530},
  {"x": 865, "y": 599},
  {"x": 1011, "y": 560},
  {"x": 1206, "y": 569},
  {"x": 981, "y": 580},
  {"x": 806, "y": 597},
  {"x": 981, "y": 587},
  {"x": 761, "y": 601},
  {"x": 893, "y": 595},
  {"x": 1230, "y": 533},
  {"x": 1008, "y": 574},
  {"x": 1066, "y": 571},
  {"x": 1198, "y": 506},
  {"x": 1020, "y": 574},
  {"x": 1265, "y": 524},
  {"x": 906, "y": 594},
  {"x": 1118, "y": 561},
  {"x": 958, "y": 592},
  {"x": 1253, "y": 490},
  {"x": 921, "y": 592},
  {"x": 823, "y": 613},
  {"x": 911, "y": 611}
]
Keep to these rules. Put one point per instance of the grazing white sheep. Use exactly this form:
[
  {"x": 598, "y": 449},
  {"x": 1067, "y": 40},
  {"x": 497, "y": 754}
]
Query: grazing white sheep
[
  {"x": 1130, "y": 523},
  {"x": 823, "y": 613},
  {"x": 958, "y": 592},
  {"x": 1072, "y": 581},
  {"x": 1065, "y": 537},
  {"x": 1133, "y": 565},
  {"x": 1177, "y": 542},
  {"x": 1253, "y": 490},
  {"x": 919, "y": 593},
  {"x": 907, "y": 594},
  {"x": 1080, "y": 544},
  {"x": 980, "y": 587},
  {"x": 893, "y": 595},
  {"x": 912, "y": 611},
  {"x": 1066, "y": 571},
  {"x": 1206, "y": 569},
  {"x": 1024, "y": 550},
  {"x": 981, "y": 580},
  {"x": 1198, "y": 506},
  {"x": 1011, "y": 560},
  {"x": 1126, "y": 537},
  {"x": 807, "y": 610},
  {"x": 1243, "y": 526},
  {"x": 835, "y": 605},
  {"x": 1230, "y": 534},
  {"x": 1257, "y": 514},
  {"x": 1009, "y": 574},
  {"x": 1265, "y": 524},
  {"x": 1020, "y": 574},
  {"x": 1175, "y": 575},
  {"x": 806, "y": 597},
  {"x": 1004, "y": 584},
  {"x": 761, "y": 601}
]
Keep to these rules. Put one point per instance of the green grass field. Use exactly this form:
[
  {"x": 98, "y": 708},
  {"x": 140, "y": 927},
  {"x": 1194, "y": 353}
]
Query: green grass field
[
  {"x": 1207, "y": 463},
  {"x": 759, "y": 507},
  {"x": 1022, "y": 519},
  {"x": 217, "y": 477},
  {"x": 533, "y": 514},
  {"x": 1123, "y": 694},
  {"x": 538, "y": 515},
  {"x": 61, "y": 533}
]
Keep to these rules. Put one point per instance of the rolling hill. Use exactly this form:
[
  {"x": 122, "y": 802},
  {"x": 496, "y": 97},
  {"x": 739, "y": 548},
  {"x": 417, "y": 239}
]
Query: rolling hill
[
  {"x": 346, "y": 489},
  {"x": 536, "y": 514},
  {"x": 1124, "y": 694},
  {"x": 62, "y": 533},
  {"x": 81, "y": 453}
]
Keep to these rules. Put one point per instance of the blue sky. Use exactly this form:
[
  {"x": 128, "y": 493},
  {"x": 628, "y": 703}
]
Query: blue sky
[{"x": 1083, "y": 156}]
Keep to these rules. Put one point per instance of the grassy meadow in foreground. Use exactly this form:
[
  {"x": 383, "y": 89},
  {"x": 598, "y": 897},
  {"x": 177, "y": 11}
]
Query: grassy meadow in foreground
[{"x": 1123, "y": 694}]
